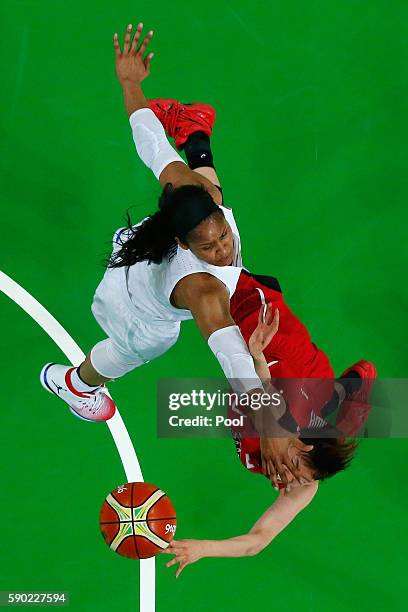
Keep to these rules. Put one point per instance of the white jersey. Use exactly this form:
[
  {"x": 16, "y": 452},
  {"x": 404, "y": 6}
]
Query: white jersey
[{"x": 150, "y": 285}]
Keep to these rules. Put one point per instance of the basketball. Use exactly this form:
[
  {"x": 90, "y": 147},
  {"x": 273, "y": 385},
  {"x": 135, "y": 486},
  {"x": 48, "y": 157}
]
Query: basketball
[{"x": 138, "y": 520}]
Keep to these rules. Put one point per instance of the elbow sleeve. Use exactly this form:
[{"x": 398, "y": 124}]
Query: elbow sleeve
[
  {"x": 151, "y": 141},
  {"x": 229, "y": 347}
]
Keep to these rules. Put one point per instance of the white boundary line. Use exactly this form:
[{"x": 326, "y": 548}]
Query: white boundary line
[{"x": 116, "y": 425}]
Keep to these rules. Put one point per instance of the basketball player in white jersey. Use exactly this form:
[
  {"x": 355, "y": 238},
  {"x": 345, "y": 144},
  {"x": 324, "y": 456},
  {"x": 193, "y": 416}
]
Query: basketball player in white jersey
[{"x": 182, "y": 262}]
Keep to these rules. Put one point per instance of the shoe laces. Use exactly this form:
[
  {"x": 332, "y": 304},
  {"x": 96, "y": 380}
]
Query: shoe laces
[
  {"x": 94, "y": 402},
  {"x": 172, "y": 118}
]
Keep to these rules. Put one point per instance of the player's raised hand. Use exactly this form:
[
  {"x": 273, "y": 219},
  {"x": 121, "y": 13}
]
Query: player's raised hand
[
  {"x": 185, "y": 551},
  {"x": 265, "y": 330},
  {"x": 131, "y": 66}
]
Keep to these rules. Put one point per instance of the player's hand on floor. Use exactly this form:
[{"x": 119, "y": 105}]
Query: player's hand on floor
[
  {"x": 276, "y": 463},
  {"x": 185, "y": 551},
  {"x": 265, "y": 330},
  {"x": 130, "y": 64}
]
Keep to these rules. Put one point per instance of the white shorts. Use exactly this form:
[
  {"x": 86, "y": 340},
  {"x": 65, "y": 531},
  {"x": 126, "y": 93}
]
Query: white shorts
[{"x": 137, "y": 340}]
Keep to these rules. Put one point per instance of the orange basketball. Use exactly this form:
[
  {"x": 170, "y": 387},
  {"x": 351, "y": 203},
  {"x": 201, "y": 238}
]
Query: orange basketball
[{"x": 138, "y": 520}]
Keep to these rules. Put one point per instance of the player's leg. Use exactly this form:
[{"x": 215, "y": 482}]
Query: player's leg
[
  {"x": 89, "y": 375},
  {"x": 82, "y": 388},
  {"x": 157, "y": 154},
  {"x": 197, "y": 149},
  {"x": 210, "y": 174},
  {"x": 191, "y": 127}
]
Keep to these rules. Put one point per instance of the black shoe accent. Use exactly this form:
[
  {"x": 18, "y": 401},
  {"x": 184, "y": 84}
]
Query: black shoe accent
[{"x": 351, "y": 382}]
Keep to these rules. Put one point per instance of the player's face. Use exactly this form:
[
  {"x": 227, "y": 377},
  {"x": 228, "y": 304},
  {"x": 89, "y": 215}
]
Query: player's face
[
  {"x": 298, "y": 462},
  {"x": 212, "y": 241}
]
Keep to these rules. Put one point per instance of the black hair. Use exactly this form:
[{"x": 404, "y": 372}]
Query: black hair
[
  {"x": 180, "y": 210},
  {"x": 329, "y": 455}
]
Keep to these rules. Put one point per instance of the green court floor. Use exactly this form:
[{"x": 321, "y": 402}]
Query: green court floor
[{"x": 310, "y": 147}]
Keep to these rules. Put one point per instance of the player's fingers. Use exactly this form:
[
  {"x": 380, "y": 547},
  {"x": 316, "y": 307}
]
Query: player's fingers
[
  {"x": 145, "y": 42},
  {"x": 116, "y": 44},
  {"x": 147, "y": 62},
  {"x": 171, "y": 550},
  {"x": 267, "y": 465},
  {"x": 127, "y": 39},
  {"x": 273, "y": 475},
  {"x": 269, "y": 314},
  {"x": 181, "y": 567},
  {"x": 302, "y": 446},
  {"x": 297, "y": 475},
  {"x": 172, "y": 562},
  {"x": 289, "y": 477},
  {"x": 275, "y": 321},
  {"x": 136, "y": 38},
  {"x": 260, "y": 315},
  {"x": 281, "y": 471}
]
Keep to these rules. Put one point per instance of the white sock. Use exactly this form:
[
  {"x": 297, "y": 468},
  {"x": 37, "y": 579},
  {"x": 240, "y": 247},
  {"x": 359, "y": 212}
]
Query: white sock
[{"x": 81, "y": 386}]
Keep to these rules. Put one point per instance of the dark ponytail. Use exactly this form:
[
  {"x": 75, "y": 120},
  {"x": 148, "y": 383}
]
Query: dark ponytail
[
  {"x": 148, "y": 241},
  {"x": 180, "y": 210}
]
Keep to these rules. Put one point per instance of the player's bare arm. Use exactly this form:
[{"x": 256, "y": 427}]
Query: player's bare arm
[
  {"x": 274, "y": 448},
  {"x": 261, "y": 338},
  {"x": 132, "y": 67},
  {"x": 179, "y": 174},
  {"x": 282, "y": 512},
  {"x": 207, "y": 299}
]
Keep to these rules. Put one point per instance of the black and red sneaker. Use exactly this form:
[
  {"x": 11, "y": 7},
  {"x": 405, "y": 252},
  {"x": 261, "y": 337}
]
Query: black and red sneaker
[
  {"x": 182, "y": 119},
  {"x": 355, "y": 408}
]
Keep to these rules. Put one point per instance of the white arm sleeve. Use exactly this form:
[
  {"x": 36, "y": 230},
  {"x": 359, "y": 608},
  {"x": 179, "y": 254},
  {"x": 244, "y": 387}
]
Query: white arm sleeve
[
  {"x": 229, "y": 347},
  {"x": 151, "y": 141}
]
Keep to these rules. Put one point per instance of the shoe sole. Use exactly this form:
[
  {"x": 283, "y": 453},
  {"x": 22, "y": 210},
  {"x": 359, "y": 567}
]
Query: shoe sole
[
  {"x": 44, "y": 383},
  {"x": 43, "y": 378}
]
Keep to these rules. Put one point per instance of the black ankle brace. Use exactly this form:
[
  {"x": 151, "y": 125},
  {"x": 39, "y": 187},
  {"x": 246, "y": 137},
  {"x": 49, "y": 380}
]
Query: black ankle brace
[{"x": 198, "y": 151}]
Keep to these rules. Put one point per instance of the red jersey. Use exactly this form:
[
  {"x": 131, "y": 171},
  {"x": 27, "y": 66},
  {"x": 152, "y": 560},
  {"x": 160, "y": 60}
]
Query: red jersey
[{"x": 299, "y": 369}]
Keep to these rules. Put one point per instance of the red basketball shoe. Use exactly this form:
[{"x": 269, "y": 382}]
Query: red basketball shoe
[
  {"x": 355, "y": 408},
  {"x": 180, "y": 120}
]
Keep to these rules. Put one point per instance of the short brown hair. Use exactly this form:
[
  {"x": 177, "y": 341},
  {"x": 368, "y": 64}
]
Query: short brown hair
[{"x": 329, "y": 455}]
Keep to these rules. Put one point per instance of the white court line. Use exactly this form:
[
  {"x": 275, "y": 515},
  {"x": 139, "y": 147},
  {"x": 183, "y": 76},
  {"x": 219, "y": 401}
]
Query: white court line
[{"x": 116, "y": 425}]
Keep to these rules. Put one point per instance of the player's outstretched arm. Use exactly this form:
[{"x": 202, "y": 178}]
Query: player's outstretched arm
[
  {"x": 271, "y": 523},
  {"x": 274, "y": 437},
  {"x": 132, "y": 67},
  {"x": 261, "y": 337}
]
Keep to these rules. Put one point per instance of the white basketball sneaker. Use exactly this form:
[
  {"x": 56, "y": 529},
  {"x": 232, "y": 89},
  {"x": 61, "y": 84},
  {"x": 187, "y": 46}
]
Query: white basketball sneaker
[{"x": 96, "y": 406}]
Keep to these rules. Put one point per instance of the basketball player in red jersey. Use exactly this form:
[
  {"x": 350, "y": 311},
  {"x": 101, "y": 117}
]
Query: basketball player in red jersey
[{"x": 281, "y": 347}]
